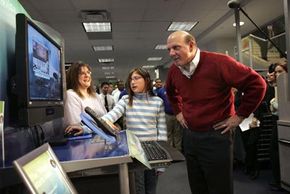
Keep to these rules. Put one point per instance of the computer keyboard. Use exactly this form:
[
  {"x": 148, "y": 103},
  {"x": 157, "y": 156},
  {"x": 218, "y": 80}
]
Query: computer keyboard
[{"x": 153, "y": 151}]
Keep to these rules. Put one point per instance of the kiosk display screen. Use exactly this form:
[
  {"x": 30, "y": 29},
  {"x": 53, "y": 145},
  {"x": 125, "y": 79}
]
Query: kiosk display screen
[{"x": 41, "y": 172}]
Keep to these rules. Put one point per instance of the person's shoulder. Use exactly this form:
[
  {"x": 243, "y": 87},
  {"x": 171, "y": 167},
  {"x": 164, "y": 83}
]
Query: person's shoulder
[
  {"x": 214, "y": 54},
  {"x": 161, "y": 91},
  {"x": 125, "y": 97},
  {"x": 97, "y": 95},
  {"x": 71, "y": 92},
  {"x": 156, "y": 98},
  {"x": 217, "y": 59},
  {"x": 71, "y": 95},
  {"x": 110, "y": 96}
]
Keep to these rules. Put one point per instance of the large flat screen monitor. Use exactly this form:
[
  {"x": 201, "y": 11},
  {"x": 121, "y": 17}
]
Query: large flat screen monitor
[
  {"x": 42, "y": 173},
  {"x": 38, "y": 80},
  {"x": 44, "y": 65}
]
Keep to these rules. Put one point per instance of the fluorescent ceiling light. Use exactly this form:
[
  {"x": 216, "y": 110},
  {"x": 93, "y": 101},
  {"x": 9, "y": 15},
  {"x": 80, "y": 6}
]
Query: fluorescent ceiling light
[
  {"x": 103, "y": 48},
  {"x": 110, "y": 77},
  {"x": 148, "y": 66},
  {"x": 108, "y": 67},
  {"x": 154, "y": 59},
  {"x": 97, "y": 26},
  {"x": 106, "y": 60},
  {"x": 160, "y": 47},
  {"x": 241, "y": 24},
  {"x": 186, "y": 26}
]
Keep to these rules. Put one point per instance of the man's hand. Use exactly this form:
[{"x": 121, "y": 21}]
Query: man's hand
[
  {"x": 181, "y": 120},
  {"x": 228, "y": 124}
]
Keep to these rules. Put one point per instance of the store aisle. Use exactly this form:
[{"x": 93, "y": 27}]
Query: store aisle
[{"x": 174, "y": 181}]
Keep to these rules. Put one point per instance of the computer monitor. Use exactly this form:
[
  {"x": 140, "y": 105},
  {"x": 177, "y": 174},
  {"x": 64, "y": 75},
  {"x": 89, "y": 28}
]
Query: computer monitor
[
  {"x": 37, "y": 83},
  {"x": 42, "y": 173}
]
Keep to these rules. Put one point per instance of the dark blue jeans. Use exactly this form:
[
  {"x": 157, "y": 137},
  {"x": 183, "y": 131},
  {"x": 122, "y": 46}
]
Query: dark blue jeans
[
  {"x": 146, "y": 181},
  {"x": 209, "y": 158}
]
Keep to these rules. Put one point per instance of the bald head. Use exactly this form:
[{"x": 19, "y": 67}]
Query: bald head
[
  {"x": 182, "y": 35},
  {"x": 182, "y": 47}
]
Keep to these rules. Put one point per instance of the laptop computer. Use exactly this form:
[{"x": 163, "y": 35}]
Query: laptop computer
[
  {"x": 42, "y": 173},
  {"x": 142, "y": 152}
]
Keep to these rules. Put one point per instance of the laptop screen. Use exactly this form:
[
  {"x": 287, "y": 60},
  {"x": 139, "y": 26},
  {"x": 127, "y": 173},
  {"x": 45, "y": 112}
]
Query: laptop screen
[{"x": 42, "y": 173}]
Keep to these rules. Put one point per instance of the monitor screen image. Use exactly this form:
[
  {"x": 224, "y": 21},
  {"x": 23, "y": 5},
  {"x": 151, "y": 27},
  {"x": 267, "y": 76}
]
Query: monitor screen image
[
  {"x": 41, "y": 172},
  {"x": 44, "y": 60}
]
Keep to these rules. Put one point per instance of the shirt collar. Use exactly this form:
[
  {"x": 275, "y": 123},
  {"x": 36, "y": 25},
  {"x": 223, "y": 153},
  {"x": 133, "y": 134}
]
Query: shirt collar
[{"x": 192, "y": 65}]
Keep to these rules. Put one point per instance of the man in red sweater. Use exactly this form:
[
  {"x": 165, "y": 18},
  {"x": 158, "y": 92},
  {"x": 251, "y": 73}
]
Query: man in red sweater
[{"x": 199, "y": 88}]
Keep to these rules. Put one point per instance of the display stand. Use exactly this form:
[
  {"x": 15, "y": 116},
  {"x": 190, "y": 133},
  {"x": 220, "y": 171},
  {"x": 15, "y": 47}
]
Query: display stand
[
  {"x": 87, "y": 154},
  {"x": 84, "y": 158},
  {"x": 96, "y": 157}
]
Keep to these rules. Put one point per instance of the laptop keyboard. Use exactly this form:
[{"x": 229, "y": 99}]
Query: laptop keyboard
[{"x": 153, "y": 151}]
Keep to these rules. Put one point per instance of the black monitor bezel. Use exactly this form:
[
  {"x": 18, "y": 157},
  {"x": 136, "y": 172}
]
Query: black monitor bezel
[{"x": 22, "y": 65}]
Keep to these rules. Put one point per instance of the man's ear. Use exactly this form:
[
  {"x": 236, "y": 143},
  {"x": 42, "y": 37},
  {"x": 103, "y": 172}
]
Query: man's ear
[{"x": 191, "y": 46}]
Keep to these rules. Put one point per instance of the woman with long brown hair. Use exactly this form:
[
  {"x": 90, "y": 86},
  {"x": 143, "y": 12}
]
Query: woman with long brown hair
[{"x": 80, "y": 94}]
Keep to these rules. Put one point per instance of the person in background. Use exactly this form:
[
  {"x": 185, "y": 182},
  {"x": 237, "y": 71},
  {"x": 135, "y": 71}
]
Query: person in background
[
  {"x": 145, "y": 117},
  {"x": 158, "y": 85},
  {"x": 279, "y": 68},
  {"x": 271, "y": 78},
  {"x": 274, "y": 148},
  {"x": 110, "y": 89},
  {"x": 199, "y": 87},
  {"x": 271, "y": 82},
  {"x": 107, "y": 99},
  {"x": 124, "y": 92},
  {"x": 80, "y": 94},
  {"x": 174, "y": 130},
  {"x": 116, "y": 93}
]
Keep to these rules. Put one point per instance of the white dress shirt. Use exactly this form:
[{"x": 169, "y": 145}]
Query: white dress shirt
[
  {"x": 192, "y": 65},
  {"x": 110, "y": 99}
]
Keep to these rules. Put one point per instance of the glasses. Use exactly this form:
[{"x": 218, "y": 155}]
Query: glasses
[
  {"x": 85, "y": 73},
  {"x": 135, "y": 78}
]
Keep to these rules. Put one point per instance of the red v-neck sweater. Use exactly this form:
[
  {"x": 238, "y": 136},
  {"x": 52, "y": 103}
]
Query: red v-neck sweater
[{"x": 206, "y": 98}]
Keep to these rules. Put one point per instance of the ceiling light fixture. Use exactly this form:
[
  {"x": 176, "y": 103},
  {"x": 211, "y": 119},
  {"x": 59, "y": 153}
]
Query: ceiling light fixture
[
  {"x": 108, "y": 67},
  {"x": 103, "y": 48},
  {"x": 148, "y": 66},
  {"x": 186, "y": 26},
  {"x": 241, "y": 24},
  {"x": 106, "y": 60},
  {"x": 97, "y": 26},
  {"x": 154, "y": 59},
  {"x": 110, "y": 77},
  {"x": 160, "y": 47}
]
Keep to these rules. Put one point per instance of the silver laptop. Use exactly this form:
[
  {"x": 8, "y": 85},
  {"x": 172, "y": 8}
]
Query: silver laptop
[{"x": 42, "y": 173}]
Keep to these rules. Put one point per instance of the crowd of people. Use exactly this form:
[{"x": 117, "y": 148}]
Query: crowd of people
[{"x": 193, "y": 110}]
